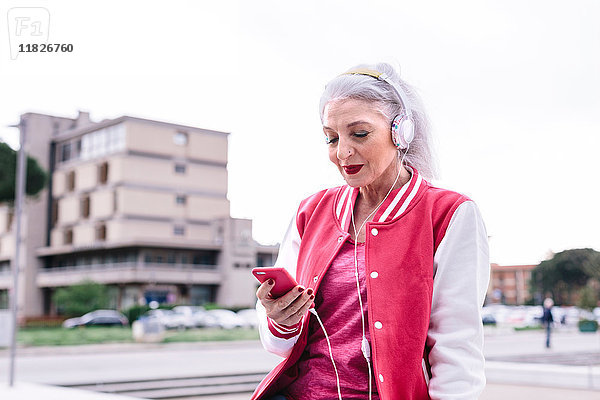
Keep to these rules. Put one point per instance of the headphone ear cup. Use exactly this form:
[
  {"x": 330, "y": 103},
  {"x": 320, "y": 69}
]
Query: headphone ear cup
[{"x": 403, "y": 131}]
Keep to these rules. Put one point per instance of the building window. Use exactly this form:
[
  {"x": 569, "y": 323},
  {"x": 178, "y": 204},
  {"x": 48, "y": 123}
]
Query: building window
[
  {"x": 71, "y": 181},
  {"x": 68, "y": 236},
  {"x": 54, "y": 212},
  {"x": 179, "y": 230},
  {"x": 85, "y": 206},
  {"x": 65, "y": 153},
  {"x": 103, "y": 173},
  {"x": 9, "y": 220},
  {"x": 170, "y": 258},
  {"x": 181, "y": 199},
  {"x": 180, "y": 168},
  {"x": 180, "y": 138},
  {"x": 102, "y": 142},
  {"x": 101, "y": 232},
  {"x": 4, "y": 301},
  {"x": 204, "y": 258}
]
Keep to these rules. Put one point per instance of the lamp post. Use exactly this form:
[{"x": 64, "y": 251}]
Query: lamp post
[{"x": 19, "y": 195}]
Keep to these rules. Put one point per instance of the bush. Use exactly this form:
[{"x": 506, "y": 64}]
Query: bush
[
  {"x": 43, "y": 322},
  {"x": 588, "y": 299},
  {"x": 215, "y": 306},
  {"x": 528, "y": 328},
  {"x": 79, "y": 299},
  {"x": 134, "y": 312},
  {"x": 587, "y": 325}
]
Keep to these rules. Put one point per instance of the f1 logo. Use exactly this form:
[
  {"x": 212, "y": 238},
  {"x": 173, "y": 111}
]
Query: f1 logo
[{"x": 27, "y": 25}]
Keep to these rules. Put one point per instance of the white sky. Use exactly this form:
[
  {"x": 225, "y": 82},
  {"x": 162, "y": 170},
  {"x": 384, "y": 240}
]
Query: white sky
[{"x": 512, "y": 88}]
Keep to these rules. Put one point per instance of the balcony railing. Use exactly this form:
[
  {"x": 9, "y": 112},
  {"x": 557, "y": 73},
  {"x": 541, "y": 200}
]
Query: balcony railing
[{"x": 129, "y": 265}]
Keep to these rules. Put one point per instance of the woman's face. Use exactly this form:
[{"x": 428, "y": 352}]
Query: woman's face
[{"x": 360, "y": 142}]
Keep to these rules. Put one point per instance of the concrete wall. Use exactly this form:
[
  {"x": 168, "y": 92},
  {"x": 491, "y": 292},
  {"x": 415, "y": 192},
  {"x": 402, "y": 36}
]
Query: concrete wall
[
  {"x": 238, "y": 285},
  {"x": 159, "y": 139},
  {"x": 146, "y": 171}
]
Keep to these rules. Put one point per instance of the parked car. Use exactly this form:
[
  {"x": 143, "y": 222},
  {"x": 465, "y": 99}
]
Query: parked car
[
  {"x": 189, "y": 315},
  {"x": 249, "y": 316},
  {"x": 204, "y": 319},
  {"x": 98, "y": 318},
  {"x": 488, "y": 319},
  {"x": 500, "y": 312},
  {"x": 168, "y": 318},
  {"x": 227, "y": 319},
  {"x": 574, "y": 314}
]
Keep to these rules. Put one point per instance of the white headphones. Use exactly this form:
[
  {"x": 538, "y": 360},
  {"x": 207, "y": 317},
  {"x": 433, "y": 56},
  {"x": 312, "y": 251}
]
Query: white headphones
[{"x": 403, "y": 126}]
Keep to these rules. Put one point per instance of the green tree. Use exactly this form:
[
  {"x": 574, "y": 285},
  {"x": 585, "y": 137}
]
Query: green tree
[
  {"x": 564, "y": 274},
  {"x": 592, "y": 265},
  {"x": 36, "y": 176},
  {"x": 588, "y": 298},
  {"x": 76, "y": 300}
]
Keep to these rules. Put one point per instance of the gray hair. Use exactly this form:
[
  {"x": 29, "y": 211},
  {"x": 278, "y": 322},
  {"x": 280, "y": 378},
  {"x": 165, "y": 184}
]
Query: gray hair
[{"x": 363, "y": 87}]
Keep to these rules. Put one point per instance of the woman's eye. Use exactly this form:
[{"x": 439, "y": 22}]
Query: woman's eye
[
  {"x": 361, "y": 134},
  {"x": 331, "y": 140}
]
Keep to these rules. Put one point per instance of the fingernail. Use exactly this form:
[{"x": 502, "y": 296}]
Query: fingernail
[
  {"x": 309, "y": 291},
  {"x": 312, "y": 297},
  {"x": 271, "y": 282},
  {"x": 301, "y": 289}
]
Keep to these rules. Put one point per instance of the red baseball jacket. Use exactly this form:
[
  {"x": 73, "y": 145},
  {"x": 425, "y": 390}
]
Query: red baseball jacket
[{"x": 427, "y": 269}]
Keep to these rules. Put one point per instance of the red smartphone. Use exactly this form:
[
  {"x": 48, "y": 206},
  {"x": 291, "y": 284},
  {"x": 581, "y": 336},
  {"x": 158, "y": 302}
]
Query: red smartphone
[{"x": 283, "y": 280}]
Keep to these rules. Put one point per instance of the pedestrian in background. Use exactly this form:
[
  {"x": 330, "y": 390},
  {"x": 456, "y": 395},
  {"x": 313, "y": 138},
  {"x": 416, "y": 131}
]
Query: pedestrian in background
[{"x": 547, "y": 318}]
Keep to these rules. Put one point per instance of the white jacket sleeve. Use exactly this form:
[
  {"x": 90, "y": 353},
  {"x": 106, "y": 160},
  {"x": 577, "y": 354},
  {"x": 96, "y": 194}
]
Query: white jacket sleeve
[
  {"x": 275, "y": 338},
  {"x": 455, "y": 336}
]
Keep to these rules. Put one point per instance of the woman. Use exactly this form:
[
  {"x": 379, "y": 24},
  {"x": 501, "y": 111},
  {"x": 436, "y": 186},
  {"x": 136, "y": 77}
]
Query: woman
[
  {"x": 392, "y": 271},
  {"x": 547, "y": 318}
]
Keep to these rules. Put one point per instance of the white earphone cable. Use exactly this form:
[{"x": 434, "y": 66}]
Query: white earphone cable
[
  {"x": 337, "y": 376},
  {"x": 365, "y": 348}
]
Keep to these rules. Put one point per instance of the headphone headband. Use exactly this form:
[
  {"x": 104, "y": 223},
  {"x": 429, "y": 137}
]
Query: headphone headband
[
  {"x": 383, "y": 77},
  {"x": 403, "y": 126}
]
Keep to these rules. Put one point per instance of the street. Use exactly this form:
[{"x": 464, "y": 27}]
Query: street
[{"x": 511, "y": 368}]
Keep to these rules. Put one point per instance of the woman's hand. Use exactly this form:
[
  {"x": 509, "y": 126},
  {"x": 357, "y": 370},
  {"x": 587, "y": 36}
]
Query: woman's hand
[{"x": 288, "y": 309}]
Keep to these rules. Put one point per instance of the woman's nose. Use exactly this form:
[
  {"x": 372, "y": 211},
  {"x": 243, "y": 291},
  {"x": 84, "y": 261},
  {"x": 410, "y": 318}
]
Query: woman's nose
[{"x": 344, "y": 150}]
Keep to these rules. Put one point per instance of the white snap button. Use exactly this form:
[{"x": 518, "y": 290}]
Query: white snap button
[
  {"x": 374, "y": 274},
  {"x": 340, "y": 239},
  {"x": 315, "y": 279},
  {"x": 378, "y": 325},
  {"x": 374, "y": 231},
  {"x": 380, "y": 378}
]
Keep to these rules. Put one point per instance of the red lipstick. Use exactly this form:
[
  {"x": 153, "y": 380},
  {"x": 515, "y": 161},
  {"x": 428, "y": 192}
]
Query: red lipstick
[{"x": 352, "y": 169}]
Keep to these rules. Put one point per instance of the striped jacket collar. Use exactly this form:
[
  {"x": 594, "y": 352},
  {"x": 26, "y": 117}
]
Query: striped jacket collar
[{"x": 396, "y": 204}]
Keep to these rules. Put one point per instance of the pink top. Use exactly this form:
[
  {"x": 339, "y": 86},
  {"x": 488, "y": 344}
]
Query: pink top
[{"x": 339, "y": 309}]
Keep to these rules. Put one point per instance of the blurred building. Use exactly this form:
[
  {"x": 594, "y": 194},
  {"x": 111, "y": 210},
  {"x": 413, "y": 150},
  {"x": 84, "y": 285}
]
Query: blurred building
[
  {"x": 509, "y": 284},
  {"x": 137, "y": 204}
]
